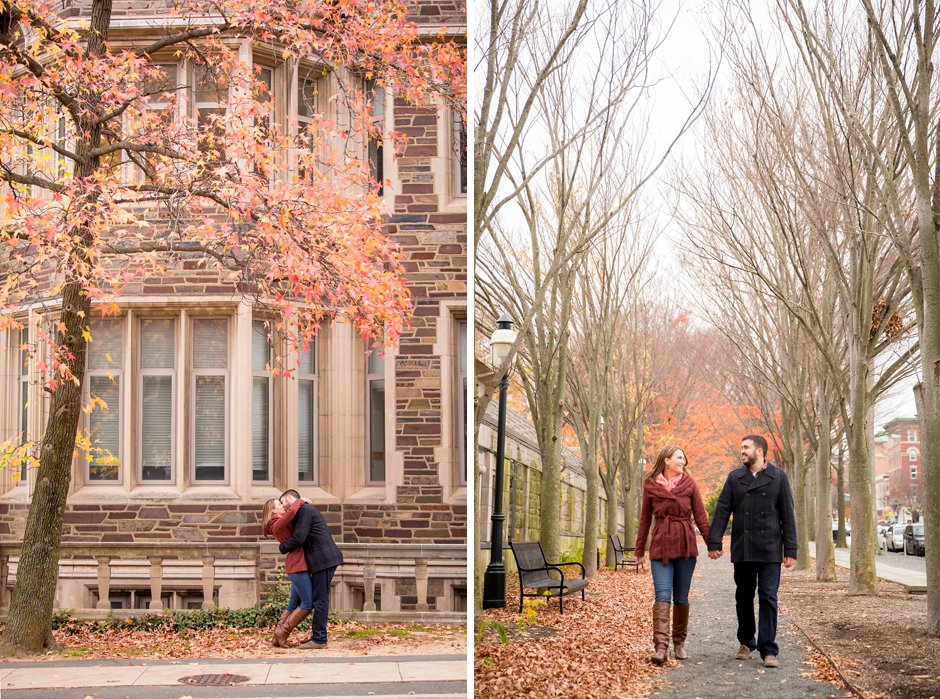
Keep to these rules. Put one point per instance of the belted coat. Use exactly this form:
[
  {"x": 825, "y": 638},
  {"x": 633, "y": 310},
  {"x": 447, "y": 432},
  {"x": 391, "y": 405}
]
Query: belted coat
[
  {"x": 673, "y": 536},
  {"x": 764, "y": 526}
]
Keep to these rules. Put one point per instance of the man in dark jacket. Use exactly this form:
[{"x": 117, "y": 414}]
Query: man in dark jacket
[
  {"x": 323, "y": 557},
  {"x": 763, "y": 533}
]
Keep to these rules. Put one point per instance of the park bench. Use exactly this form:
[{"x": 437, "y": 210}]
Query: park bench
[
  {"x": 535, "y": 573},
  {"x": 623, "y": 557}
]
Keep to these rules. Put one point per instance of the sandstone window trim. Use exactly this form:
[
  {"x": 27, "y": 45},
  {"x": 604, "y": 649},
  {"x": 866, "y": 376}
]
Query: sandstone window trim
[
  {"x": 377, "y": 96},
  {"x": 459, "y": 138},
  {"x": 22, "y": 394},
  {"x": 460, "y": 398}
]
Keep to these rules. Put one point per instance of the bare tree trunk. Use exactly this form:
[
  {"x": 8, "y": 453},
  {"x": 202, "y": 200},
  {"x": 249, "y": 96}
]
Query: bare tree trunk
[
  {"x": 801, "y": 505},
  {"x": 860, "y": 432},
  {"x": 613, "y": 507},
  {"x": 825, "y": 554},
  {"x": 841, "y": 540}
]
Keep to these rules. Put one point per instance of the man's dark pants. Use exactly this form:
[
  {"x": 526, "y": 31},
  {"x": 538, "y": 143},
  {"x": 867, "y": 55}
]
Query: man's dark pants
[
  {"x": 764, "y": 578},
  {"x": 321, "y": 603}
]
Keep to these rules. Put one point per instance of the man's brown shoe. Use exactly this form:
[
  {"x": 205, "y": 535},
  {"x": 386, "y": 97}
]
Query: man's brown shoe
[
  {"x": 771, "y": 661},
  {"x": 743, "y": 653},
  {"x": 312, "y": 645}
]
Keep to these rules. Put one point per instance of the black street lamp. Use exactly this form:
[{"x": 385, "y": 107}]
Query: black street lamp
[{"x": 494, "y": 580}]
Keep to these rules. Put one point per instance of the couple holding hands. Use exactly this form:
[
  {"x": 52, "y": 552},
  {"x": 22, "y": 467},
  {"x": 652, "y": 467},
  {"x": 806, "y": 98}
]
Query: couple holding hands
[{"x": 763, "y": 535}]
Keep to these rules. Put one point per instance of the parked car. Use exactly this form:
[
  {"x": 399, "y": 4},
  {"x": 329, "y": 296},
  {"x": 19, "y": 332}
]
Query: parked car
[
  {"x": 835, "y": 531},
  {"x": 894, "y": 537},
  {"x": 914, "y": 539}
]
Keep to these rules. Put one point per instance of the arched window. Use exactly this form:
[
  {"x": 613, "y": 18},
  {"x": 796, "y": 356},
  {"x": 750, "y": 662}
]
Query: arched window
[{"x": 912, "y": 455}]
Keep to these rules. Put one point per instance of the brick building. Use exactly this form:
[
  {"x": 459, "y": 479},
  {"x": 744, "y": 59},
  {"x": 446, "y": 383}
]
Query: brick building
[
  {"x": 205, "y": 433},
  {"x": 905, "y": 471}
]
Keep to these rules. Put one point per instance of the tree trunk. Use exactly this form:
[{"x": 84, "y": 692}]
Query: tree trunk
[
  {"x": 592, "y": 497},
  {"x": 802, "y": 494},
  {"x": 29, "y": 628},
  {"x": 478, "y": 567},
  {"x": 860, "y": 434},
  {"x": 29, "y": 622},
  {"x": 841, "y": 541},
  {"x": 825, "y": 554},
  {"x": 610, "y": 487},
  {"x": 550, "y": 505}
]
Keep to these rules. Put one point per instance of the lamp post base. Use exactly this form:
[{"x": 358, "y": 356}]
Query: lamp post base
[{"x": 494, "y": 586}]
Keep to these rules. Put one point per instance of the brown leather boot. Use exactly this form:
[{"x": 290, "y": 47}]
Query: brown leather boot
[
  {"x": 660, "y": 632},
  {"x": 283, "y": 631},
  {"x": 278, "y": 625},
  {"x": 680, "y": 629}
]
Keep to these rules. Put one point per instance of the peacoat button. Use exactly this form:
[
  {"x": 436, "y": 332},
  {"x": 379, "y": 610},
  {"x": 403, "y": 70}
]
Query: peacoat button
[{"x": 763, "y": 492}]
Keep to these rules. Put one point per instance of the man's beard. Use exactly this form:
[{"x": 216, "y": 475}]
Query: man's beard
[{"x": 748, "y": 460}]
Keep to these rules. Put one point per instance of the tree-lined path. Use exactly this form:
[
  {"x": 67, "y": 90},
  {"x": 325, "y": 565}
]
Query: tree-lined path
[{"x": 711, "y": 672}]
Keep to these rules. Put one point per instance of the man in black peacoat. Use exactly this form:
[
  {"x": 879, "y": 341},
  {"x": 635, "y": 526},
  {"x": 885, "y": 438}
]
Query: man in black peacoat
[
  {"x": 763, "y": 534},
  {"x": 323, "y": 557}
]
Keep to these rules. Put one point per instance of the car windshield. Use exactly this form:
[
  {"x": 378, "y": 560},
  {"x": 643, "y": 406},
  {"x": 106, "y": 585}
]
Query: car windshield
[{"x": 918, "y": 529}]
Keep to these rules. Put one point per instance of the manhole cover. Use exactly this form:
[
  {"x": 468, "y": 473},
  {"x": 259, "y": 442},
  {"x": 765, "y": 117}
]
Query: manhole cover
[{"x": 213, "y": 680}]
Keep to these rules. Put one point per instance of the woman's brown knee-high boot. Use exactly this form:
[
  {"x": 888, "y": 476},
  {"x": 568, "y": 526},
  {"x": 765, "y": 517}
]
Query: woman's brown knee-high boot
[
  {"x": 279, "y": 625},
  {"x": 660, "y": 632},
  {"x": 283, "y": 630},
  {"x": 680, "y": 629}
]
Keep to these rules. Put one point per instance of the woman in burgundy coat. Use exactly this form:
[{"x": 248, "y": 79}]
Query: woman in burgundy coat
[{"x": 670, "y": 495}]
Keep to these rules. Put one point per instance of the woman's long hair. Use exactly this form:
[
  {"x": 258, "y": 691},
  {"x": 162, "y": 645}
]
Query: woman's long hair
[
  {"x": 660, "y": 465},
  {"x": 266, "y": 513}
]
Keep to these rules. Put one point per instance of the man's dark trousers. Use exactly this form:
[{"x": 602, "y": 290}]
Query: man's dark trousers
[
  {"x": 321, "y": 603},
  {"x": 764, "y": 578}
]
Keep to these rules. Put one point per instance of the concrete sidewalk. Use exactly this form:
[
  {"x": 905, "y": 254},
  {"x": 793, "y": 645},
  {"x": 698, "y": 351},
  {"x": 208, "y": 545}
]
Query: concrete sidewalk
[
  {"x": 440, "y": 675},
  {"x": 914, "y": 581}
]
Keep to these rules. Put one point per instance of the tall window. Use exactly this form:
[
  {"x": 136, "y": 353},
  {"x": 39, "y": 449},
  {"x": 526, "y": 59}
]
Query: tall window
[
  {"x": 210, "y": 381},
  {"x": 260, "y": 402},
  {"x": 375, "y": 401},
  {"x": 23, "y": 423},
  {"x": 308, "y": 106},
  {"x": 912, "y": 455},
  {"x": 913, "y": 473},
  {"x": 157, "y": 363},
  {"x": 460, "y": 149},
  {"x": 376, "y": 96},
  {"x": 912, "y": 435},
  {"x": 307, "y": 416},
  {"x": 104, "y": 383},
  {"x": 461, "y": 395},
  {"x": 265, "y": 98},
  {"x": 160, "y": 89},
  {"x": 211, "y": 98}
]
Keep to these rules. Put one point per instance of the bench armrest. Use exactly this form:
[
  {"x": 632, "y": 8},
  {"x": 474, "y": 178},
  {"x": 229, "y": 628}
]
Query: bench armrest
[{"x": 571, "y": 563}]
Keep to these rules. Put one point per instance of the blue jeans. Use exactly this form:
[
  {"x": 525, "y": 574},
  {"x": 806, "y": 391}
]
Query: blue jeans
[
  {"x": 301, "y": 591},
  {"x": 765, "y": 579},
  {"x": 673, "y": 580},
  {"x": 321, "y": 603}
]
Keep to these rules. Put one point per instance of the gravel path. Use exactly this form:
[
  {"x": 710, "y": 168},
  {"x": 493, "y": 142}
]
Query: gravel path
[{"x": 711, "y": 672}]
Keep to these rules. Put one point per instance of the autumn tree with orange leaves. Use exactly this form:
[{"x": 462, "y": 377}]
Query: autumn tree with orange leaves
[{"x": 111, "y": 173}]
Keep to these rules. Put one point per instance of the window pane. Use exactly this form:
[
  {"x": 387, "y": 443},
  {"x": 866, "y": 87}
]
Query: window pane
[
  {"x": 156, "y": 434},
  {"x": 104, "y": 350},
  {"x": 104, "y": 429},
  {"x": 376, "y": 362},
  {"x": 210, "y": 344},
  {"x": 210, "y": 428},
  {"x": 306, "y": 406},
  {"x": 306, "y": 97},
  {"x": 260, "y": 347},
  {"x": 377, "y": 430},
  {"x": 156, "y": 342},
  {"x": 260, "y": 417},
  {"x": 462, "y": 345},
  {"x": 308, "y": 361}
]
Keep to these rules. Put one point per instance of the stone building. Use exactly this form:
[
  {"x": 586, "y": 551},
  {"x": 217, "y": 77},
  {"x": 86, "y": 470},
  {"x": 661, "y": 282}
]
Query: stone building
[{"x": 205, "y": 434}]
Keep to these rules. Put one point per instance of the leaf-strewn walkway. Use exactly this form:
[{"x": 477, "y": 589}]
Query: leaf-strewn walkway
[{"x": 598, "y": 647}]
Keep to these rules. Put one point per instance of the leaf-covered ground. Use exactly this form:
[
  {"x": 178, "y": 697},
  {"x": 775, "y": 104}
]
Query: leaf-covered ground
[
  {"x": 598, "y": 647},
  {"x": 348, "y": 639}
]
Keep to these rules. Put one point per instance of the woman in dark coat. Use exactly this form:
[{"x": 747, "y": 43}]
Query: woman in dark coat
[{"x": 670, "y": 494}]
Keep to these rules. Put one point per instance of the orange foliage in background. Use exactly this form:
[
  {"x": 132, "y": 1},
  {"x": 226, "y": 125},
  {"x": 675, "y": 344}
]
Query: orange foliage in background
[{"x": 708, "y": 429}]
